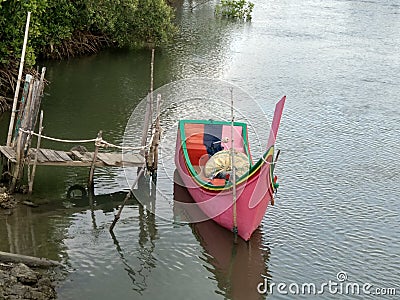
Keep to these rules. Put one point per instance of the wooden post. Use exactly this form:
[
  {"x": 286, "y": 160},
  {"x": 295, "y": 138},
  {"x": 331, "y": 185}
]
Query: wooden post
[
  {"x": 156, "y": 139},
  {"x": 127, "y": 197},
  {"x": 152, "y": 72},
  {"x": 152, "y": 80},
  {"x": 146, "y": 124},
  {"x": 21, "y": 67},
  {"x": 24, "y": 97},
  {"x": 20, "y": 157},
  {"x": 30, "y": 184},
  {"x": 38, "y": 100},
  {"x": 233, "y": 170},
  {"x": 31, "y": 114},
  {"x": 149, "y": 106},
  {"x": 152, "y": 156},
  {"x": 91, "y": 173}
]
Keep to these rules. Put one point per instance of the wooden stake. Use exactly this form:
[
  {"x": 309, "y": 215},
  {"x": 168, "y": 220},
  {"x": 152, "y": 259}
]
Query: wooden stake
[
  {"x": 149, "y": 106},
  {"x": 38, "y": 99},
  {"x": 128, "y": 196},
  {"x": 235, "y": 228},
  {"x": 17, "y": 174},
  {"x": 152, "y": 78},
  {"x": 24, "y": 97},
  {"x": 30, "y": 184},
  {"x": 152, "y": 72},
  {"x": 91, "y": 173},
  {"x": 146, "y": 124},
  {"x": 156, "y": 140},
  {"x": 21, "y": 67}
]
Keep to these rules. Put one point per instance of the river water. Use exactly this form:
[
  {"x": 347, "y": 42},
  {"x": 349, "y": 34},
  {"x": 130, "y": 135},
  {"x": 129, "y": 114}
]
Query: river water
[{"x": 337, "y": 211}]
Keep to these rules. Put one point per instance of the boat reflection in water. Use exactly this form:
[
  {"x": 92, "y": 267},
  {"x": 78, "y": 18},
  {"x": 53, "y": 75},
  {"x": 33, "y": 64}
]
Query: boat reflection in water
[{"x": 237, "y": 268}]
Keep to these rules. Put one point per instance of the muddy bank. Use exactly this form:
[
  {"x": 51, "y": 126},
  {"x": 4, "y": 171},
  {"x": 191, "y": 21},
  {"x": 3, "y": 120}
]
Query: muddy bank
[{"x": 18, "y": 281}]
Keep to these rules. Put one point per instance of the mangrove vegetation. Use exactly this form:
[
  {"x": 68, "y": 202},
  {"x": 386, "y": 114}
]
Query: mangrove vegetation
[{"x": 62, "y": 29}]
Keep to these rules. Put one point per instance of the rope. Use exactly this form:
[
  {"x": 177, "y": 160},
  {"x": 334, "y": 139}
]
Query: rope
[
  {"x": 267, "y": 162},
  {"x": 98, "y": 141}
]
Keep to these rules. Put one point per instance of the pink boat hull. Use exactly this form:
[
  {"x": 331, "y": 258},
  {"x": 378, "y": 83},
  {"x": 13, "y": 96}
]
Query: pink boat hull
[{"x": 251, "y": 204}]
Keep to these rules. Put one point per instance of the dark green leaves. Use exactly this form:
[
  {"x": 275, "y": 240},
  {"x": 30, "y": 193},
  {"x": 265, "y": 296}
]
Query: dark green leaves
[{"x": 235, "y": 9}]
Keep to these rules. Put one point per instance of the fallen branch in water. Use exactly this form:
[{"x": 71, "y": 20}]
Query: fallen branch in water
[{"x": 30, "y": 261}]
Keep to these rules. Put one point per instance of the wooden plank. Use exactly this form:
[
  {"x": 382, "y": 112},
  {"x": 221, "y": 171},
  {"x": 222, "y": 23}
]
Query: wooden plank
[
  {"x": 85, "y": 156},
  {"x": 45, "y": 154},
  {"x": 79, "y": 163},
  {"x": 116, "y": 159},
  {"x": 6, "y": 153},
  {"x": 51, "y": 155},
  {"x": 41, "y": 158},
  {"x": 63, "y": 155},
  {"x": 77, "y": 155},
  {"x": 133, "y": 159},
  {"x": 107, "y": 158},
  {"x": 9, "y": 153},
  {"x": 71, "y": 163}
]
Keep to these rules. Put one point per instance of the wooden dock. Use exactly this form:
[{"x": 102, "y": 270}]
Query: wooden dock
[
  {"x": 74, "y": 158},
  {"x": 21, "y": 153}
]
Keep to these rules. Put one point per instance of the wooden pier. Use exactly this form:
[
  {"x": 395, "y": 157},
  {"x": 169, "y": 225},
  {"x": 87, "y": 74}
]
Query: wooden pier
[
  {"x": 74, "y": 158},
  {"x": 20, "y": 154}
]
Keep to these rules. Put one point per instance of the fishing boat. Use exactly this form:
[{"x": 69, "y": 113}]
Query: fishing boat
[{"x": 214, "y": 162}]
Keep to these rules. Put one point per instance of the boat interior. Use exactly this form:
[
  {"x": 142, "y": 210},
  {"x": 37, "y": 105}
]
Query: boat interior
[{"x": 206, "y": 142}]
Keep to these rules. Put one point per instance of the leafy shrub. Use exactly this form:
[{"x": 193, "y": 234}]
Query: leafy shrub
[
  {"x": 235, "y": 9},
  {"x": 64, "y": 28}
]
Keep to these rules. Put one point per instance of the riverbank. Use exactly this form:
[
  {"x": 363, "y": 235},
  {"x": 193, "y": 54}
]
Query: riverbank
[{"x": 18, "y": 281}]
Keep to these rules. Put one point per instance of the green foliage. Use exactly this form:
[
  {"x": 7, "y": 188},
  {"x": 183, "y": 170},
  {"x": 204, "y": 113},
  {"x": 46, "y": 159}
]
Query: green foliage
[
  {"x": 132, "y": 22},
  {"x": 12, "y": 27},
  {"x": 54, "y": 23},
  {"x": 235, "y": 9},
  {"x": 153, "y": 22}
]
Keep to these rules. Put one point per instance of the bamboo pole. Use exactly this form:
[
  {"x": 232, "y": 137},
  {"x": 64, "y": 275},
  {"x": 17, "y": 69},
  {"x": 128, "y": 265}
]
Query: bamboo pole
[
  {"x": 149, "y": 107},
  {"x": 91, "y": 173},
  {"x": 127, "y": 197},
  {"x": 152, "y": 71},
  {"x": 152, "y": 78},
  {"x": 233, "y": 168},
  {"x": 152, "y": 155},
  {"x": 156, "y": 140},
  {"x": 30, "y": 184},
  {"x": 21, "y": 67},
  {"x": 146, "y": 124}
]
